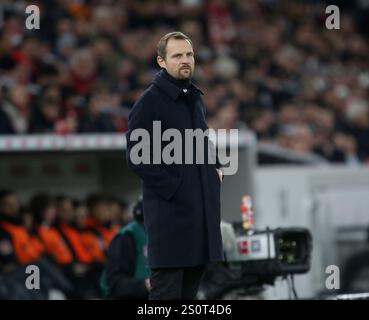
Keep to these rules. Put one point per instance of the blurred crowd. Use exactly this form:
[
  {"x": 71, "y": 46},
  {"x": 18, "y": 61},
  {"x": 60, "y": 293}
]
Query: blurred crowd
[
  {"x": 267, "y": 65},
  {"x": 66, "y": 238}
]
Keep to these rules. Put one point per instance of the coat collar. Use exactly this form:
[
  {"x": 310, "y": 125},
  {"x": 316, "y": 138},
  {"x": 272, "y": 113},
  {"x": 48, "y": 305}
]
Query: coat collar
[{"x": 172, "y": 90}]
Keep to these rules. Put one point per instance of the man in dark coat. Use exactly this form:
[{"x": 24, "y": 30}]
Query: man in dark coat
[{"x": 181, "y": 201}]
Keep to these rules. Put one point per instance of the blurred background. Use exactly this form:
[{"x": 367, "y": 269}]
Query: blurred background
[{"x": 297, "y": 92}]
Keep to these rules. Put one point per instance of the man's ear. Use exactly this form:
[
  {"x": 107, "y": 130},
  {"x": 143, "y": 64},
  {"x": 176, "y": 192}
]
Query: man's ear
[{"x": 160, "y": 61}]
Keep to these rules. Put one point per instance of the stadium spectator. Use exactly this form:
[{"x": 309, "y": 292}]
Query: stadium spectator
[
  {"x": 99, "y": 219},
  {"x": 18, "y": 249},
  {"x": 13, "y": 234},
  {"x": 85, "y": 247},
  {"x": 121, "y": 215},
  {"x": 15, "y": 113},
  {"x": 270, "y": 59}
]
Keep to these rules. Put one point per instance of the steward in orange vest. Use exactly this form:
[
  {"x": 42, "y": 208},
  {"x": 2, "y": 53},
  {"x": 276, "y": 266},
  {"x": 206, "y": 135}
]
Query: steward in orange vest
[
  {"x": 15, "y": 242},
  {"x": 90, "y": 240},
  {"x": 19, "y": 248},
  {"x": 44, "y": 212},
  {"x": 85, "y": 245},
  {"x": 99, "y": 219}
]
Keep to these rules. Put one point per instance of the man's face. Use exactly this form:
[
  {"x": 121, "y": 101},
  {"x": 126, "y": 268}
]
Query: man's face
[
  {"x": 66, "y": 211},
  {"x": 102, "y": 212},
  {"x": 179, "y": 60},
  {"x": 9, "y": 205}
]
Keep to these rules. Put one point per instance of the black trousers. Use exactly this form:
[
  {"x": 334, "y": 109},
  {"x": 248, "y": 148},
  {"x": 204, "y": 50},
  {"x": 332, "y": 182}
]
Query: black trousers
[{"x": 175, "y": 283}]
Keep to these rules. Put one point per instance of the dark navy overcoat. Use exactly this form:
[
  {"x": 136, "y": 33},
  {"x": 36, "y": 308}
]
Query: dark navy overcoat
[{"x": 181, "y": 202}]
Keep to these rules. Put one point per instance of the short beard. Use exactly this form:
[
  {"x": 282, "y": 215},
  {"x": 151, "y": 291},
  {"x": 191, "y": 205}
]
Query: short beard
[{"x": 180, "y": 76}]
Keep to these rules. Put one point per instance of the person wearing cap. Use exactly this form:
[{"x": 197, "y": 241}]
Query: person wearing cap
[{"x": 126, "y": 274}]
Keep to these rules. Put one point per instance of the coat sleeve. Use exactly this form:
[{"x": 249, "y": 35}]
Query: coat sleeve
[{"x": 154, "y": 176}]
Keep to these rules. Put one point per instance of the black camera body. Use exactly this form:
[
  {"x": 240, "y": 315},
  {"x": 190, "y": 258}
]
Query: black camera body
[
  {"x": 271, "y": 252},
  {"x": 254, "y": 258}
]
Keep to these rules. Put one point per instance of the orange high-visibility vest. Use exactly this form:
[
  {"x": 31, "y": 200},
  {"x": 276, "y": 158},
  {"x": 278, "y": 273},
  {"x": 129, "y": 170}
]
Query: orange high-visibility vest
[
  {"x": 55, "y": 245},
  {"x": 74, "y": 238},
  {"x": 37, "y": 244},
  {"x": 24, "y": 251},
  {"x": 106, "y": 233},
  {"x": 93, "y": 244}
]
